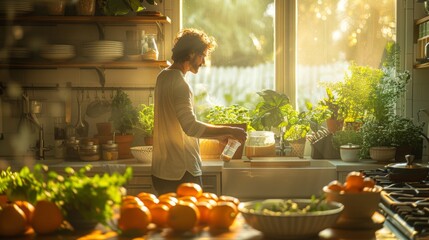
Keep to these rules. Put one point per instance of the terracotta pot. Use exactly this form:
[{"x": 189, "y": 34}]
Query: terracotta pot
[
  {"x": 104, "y": 129},
  {"x": 124, "y": 144},
  {"x": 334, "y": 125}
]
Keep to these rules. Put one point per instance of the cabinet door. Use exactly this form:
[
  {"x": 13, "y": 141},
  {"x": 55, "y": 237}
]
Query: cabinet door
[
  {"x": 212, "y": 183},
  {"x": 140, "y": 183}
]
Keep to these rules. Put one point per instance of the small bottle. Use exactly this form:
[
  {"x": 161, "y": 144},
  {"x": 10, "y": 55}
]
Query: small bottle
[{"x": 110, "y": 151}]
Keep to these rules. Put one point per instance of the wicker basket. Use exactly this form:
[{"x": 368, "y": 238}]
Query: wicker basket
[{"x": 142, "y": 153}]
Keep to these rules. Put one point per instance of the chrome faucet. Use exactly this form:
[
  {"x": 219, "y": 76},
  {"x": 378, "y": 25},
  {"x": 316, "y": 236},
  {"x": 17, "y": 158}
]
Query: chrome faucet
[{"x": 40, "y": 148}]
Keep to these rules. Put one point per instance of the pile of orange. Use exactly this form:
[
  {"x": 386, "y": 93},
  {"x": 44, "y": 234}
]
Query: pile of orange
[
  {"x": 355, "y": 182},
  {"x": 184, "y": 210},
  {"x": 16, "y": 218}
]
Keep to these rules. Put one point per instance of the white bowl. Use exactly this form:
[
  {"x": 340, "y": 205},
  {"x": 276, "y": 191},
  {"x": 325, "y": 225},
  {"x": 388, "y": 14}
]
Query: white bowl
[
  {"x": 291, "y": 225},
  {"x": 142, "y": 153}
]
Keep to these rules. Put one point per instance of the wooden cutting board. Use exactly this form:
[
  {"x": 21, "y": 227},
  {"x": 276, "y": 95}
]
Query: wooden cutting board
[{"x": 270, "y": 162}]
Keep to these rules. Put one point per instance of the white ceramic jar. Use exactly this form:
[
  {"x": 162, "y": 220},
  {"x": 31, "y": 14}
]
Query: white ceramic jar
[{"x": 350, "y": 152}]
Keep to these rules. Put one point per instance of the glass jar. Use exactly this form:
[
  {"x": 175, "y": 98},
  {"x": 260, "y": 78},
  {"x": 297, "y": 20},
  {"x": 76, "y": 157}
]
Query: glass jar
[
  {"x": 149, "y": 48},
  {"x": 261, "y": 144},
  {"x": 110, "y": 151},
  {"x": 89, "y": 152},
  {"x": 72, "y": 148}
]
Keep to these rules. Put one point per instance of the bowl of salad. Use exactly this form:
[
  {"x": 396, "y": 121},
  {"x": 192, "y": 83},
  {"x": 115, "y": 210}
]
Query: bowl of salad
[{"x": 291, "y": 218}]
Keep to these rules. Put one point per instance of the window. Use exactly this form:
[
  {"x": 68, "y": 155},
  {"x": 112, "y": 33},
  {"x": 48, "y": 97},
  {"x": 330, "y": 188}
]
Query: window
[{"x": 255, "y": 38}]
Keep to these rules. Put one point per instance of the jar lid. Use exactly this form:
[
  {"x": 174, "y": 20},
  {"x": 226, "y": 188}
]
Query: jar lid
[
  {"x": 350, "y": 146},
  {"x": 89, "y": 146},
  {"x": 109, "y": 145}
]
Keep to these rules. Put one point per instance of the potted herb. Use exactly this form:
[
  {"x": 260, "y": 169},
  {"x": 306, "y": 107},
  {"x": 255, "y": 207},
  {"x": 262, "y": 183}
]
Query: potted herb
[
  {"x": 377, "y": 141},
  {"x": 407, "y": 137},
  {"x": 124, "y": 117},
  {"x": 335, "y": 110},
  {"x": 233, "y": 115},
  {"x": 268, "y": 112},
  {"x": 146, "y": 122}
]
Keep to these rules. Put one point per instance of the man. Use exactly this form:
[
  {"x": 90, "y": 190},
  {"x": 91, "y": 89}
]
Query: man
[{"x": 176, "y": 156}]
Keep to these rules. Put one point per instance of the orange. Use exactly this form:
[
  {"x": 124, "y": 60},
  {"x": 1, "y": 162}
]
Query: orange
[
  {"x": 368, "y": 182},
  {"x": 336, "y": 186},
  {"x": 354, "y": 180},
  {"x": 189, "y": 189},
  {"x": 232, "y": 199},
  {"x": 134, "y": 219},
  {"x": 47, "y": 217},
  {"x": 168, "y": 200},
  {"x": 183, "y": 216},
  {"x": 13, "y": 221},
  {"x": 208, "y": 195},
  {"x": 159, "y": 214},
  {"x": 148, "y": 199},
  {"x": 204, "y": 208},
  {"x": 191, "y": 199},
  {"x": 27, "y": 208},
  {"x": 222, "y": 215},
  {"x": 170, "y": 194},
  {"x": 131, "y": 201}
]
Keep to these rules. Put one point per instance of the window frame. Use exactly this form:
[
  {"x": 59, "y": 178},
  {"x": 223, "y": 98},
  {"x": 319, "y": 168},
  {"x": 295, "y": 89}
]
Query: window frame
[{"x": 285, "y": 44}]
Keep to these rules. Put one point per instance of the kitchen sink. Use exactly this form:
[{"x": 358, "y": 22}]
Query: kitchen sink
[{"x": 277, "y": 177}]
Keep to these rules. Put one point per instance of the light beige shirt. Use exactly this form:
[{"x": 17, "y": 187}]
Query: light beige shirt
[{"x": 176, "y": 130}]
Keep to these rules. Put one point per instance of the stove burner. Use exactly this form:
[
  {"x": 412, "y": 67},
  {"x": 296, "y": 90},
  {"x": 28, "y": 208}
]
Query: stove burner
[{"x": 404, "y": 204}]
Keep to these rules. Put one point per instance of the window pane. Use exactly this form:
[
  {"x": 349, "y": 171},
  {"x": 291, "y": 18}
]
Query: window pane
[
  {"x": 243, "y": 62},
  {"x": 334, "y": 33}
]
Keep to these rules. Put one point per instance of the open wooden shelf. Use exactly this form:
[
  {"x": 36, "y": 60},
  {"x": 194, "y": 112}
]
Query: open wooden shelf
[
  {"x": 81, "y": 64},
  {"x": 111, "y": 20}
]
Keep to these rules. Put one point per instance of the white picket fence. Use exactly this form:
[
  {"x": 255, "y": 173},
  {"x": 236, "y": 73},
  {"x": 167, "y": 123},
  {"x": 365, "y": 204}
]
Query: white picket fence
[{"x": 240, "y": 82}]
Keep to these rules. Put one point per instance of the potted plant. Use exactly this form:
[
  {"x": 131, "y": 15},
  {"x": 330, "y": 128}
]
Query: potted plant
[
  {"x": 124, "y": 117},
  {"x": 233, "y": 115},
  {"x": 407, "y": 137},
  {"x": 377, "y": 141},
  {"x": 123, "y": 7},
  {"x": 336, "y": 110},
  {"x": 145, "y": 122},
  {"x": 268, "y": 112}
]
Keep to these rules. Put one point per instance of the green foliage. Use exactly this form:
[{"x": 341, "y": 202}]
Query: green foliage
[
  {"x": 122, "y": 7},
  {"x": 233, "y": 114},
  {"x": 146, "y": 119},
  {"x": 345, "y": 137},
  {"x": 124, "y": 115},
  {"x": 296, "y": 124},
  {"x": 268, "y": 111},
  {"x": 93, "y": 197},
  {"x": 331, "y": 104},
  {"x": 23, "y": 184},
  {"x": 356, "y": 91},
  {"x": 250, "y": 44}
]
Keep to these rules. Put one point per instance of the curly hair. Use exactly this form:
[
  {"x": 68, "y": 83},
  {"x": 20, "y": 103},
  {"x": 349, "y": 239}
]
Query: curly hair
[{"x": 190, "y": 41}]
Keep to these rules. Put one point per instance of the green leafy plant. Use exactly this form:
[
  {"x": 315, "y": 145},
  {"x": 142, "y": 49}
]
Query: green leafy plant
[
  {"x": 123, "y": 7},
  {"x": 146, "y": 119},
  {"x": 124, "y": 116},
  {"x": 93, "y": 197},
  {"x": 268, "y": 111},
  {"x": 332, "y": 105},
  {"x": 23, "y": 184},
  {"x": 295, "y": 123},
  {"x": 233, "y": 114}
]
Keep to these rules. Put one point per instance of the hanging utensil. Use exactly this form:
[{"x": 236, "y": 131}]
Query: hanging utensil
[{"x": 80, "y": 127}]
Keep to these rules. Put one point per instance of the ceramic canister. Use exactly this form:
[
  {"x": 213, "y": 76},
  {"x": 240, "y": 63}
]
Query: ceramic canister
[{"x": 350, "y": 152}]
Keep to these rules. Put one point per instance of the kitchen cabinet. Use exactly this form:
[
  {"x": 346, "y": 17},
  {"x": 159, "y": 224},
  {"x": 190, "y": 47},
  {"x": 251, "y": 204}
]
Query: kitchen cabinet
[
  {"x": 422, "y": 32},
  {"x": 344, "y": 168}
]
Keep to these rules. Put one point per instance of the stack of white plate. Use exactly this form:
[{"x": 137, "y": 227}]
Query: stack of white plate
[
  {"x": 58, "y": 52},
  {"x": 18, "y": 7},
  {"x": 103, "y": 50}
]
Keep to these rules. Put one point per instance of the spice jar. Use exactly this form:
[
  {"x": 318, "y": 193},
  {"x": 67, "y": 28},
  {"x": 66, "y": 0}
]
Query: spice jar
[
  {"x": 72, "y": 148},
  {"x": 110, "y": 151},
  {"x": 89, "y": 152}
]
